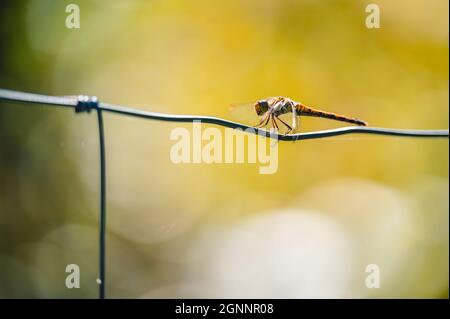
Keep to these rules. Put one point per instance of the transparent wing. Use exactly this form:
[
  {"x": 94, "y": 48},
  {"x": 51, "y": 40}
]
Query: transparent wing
[{"x": 244, "y": 113}]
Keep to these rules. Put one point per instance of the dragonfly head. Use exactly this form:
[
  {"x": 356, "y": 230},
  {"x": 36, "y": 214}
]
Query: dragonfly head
[{"x": 261, "y": 107}]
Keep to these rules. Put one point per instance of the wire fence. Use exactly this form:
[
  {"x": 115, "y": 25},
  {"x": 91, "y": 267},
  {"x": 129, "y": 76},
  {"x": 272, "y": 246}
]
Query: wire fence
[{"x": 83, "y": 103}]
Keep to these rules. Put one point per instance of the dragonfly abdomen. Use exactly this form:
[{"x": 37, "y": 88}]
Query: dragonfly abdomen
[{"x": 308, "y": 111}]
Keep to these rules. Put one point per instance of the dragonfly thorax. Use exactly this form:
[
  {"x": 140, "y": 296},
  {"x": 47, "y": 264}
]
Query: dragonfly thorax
[
  {"x": 275, "y": 105},
  {"x": 282, "y": 105}
]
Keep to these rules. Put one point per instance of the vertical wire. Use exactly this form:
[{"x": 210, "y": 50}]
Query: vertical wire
[{"x": 102, "y": 216}]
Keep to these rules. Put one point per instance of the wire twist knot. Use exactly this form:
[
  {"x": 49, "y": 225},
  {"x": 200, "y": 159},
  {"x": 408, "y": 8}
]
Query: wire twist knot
[{"x": 86, "y": 103}]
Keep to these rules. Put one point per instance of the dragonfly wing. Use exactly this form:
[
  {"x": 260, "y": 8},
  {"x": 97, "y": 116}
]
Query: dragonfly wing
[{"x": 244, "y": 113}]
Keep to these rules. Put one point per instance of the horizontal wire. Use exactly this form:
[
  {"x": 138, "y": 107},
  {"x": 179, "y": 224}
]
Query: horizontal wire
[
  {"x": 73, "y": 101},
  {"x": 291, "y": 137},
  {"x": 9, "y": 95}
]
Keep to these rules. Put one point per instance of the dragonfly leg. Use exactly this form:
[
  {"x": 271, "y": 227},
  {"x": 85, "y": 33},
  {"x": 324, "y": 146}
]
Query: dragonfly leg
[
  {"x": 264, "y": 120},
  {"x": 295, "y": 118},
  {"x": 274, "y": 122},
  {"x": 295, "y": 123},
  {"x": 289, "y": 128}
]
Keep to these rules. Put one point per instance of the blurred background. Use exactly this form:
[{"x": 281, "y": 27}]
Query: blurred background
[{"x": 199, "y": 230}]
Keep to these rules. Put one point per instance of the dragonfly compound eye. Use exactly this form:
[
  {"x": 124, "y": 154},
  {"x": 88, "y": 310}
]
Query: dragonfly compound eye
[{"x": 261, "y": 107}]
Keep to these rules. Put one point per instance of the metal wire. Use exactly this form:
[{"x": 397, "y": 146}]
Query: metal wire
[
  {"x": 85, "y": 103},
  {"x": 292, "y": 137},
  {"x": 102, "y": 216},
  {"x": 82, "y": 103}
]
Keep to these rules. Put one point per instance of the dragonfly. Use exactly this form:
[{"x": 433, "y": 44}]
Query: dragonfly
[{"x": 270, "y": 109}]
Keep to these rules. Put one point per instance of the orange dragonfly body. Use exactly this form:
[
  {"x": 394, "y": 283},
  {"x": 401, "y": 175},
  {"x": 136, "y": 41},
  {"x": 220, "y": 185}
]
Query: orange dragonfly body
[{"x": 271, "y": 108}]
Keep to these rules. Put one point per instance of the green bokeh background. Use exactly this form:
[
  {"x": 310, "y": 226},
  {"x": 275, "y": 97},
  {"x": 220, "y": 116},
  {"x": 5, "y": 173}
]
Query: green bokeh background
[{"x": 197, "y": 230}]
